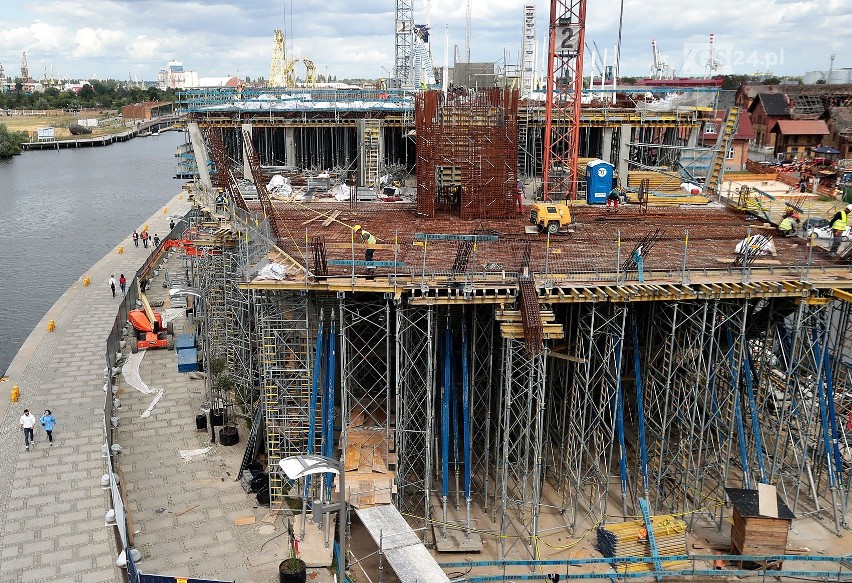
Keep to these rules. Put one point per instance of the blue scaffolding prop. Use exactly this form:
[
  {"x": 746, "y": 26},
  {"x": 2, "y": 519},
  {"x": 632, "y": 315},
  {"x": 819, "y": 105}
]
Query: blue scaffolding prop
[
  {"x": 312, "y": 414},
  {"x": 640, "y": 409}
]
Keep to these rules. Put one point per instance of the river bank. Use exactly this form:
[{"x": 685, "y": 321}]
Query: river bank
[{"x": 65, "y": 209}]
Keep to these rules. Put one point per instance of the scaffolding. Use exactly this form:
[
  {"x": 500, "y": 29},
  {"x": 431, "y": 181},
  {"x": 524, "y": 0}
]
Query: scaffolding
[{"x": 540, "y": 383}]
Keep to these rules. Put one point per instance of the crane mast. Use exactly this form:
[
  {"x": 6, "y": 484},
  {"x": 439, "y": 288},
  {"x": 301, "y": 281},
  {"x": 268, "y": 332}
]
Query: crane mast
[{"x": 564, "y": 91}]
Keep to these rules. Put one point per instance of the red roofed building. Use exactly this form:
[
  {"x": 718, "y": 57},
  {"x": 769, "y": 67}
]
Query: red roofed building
[{"x": 796, "y": 138}]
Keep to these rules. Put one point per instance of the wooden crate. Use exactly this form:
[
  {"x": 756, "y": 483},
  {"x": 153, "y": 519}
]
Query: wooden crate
[{"x": 754, "y": 533}]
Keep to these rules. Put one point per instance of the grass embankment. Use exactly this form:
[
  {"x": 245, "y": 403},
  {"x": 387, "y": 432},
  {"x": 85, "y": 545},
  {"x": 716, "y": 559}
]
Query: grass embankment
[{"x": 108, "y": 123}]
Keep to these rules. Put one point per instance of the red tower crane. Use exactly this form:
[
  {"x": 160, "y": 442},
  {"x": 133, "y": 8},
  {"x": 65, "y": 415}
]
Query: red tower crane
[{"x": 564, "y": 89}]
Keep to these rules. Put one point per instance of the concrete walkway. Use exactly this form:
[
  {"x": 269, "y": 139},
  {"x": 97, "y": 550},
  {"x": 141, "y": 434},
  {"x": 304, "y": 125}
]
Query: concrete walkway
[
  {"x": 182, "y": 514},
  {"x": 51, "y": 503}
]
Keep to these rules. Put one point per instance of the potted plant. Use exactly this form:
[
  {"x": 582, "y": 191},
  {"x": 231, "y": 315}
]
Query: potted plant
[{"x": 292, "y": 569}]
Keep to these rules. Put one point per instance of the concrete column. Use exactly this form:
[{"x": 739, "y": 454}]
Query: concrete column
[
  {"x": 200, "y": 151},
  {"x": 623, "y": 152},
  {"x": 290, "y": 146},
  {"x": 606, "y": 146},
  {"x": 246, "y": 167}
]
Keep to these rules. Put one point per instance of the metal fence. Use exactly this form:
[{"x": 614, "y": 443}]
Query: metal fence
[{"x": 113, "y": 359}]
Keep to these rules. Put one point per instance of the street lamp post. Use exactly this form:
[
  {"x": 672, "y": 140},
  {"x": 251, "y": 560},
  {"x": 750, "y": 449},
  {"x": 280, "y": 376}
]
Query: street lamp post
[{"x": 299, "y": 466}]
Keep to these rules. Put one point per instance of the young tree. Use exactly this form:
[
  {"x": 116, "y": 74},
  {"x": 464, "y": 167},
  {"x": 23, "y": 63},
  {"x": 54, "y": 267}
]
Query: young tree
[{"x": 10, "y": 142}]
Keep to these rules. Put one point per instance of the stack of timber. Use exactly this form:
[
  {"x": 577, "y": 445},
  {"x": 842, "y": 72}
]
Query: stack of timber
[
  {"x": 657, "y": 181},
  {"x": 511, "y": 324},
  {"x": 370, "y": 466},
  {"x": 630, "y": 539}
]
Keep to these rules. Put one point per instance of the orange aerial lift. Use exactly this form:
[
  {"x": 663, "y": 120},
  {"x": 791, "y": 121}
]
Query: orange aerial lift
[{"x": 148, "y": 327}]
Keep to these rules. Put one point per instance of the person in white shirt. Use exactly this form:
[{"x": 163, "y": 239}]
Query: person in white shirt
[
  {"x": 28, "y": 421},
  {"x": 112, "y": 284}
]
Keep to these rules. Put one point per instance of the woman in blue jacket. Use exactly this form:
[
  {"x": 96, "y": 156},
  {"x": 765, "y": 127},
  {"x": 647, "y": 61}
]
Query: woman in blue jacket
[{"x": 48, "y": 421}]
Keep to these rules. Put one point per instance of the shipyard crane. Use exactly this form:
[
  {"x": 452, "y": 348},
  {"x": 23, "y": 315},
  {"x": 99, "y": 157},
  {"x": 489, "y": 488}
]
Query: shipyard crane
[
  {"x": 279, "y": 60},
  {"x": 310, "y": 73},
  {"x": 661, "y": 68},
  {"x": 564, "y": 90},
  {"x": 289, "y": 73},
  {"x": 25, "y": 68}
]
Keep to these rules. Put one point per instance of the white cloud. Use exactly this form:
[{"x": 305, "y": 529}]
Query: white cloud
[
  {"x": 96, "y": 42},
  {"x": 356, "y": 39}
]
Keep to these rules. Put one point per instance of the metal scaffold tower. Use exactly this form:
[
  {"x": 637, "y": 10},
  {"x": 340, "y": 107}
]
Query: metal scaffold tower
[
  {"x": 404, "y": 49},
  {"x": 520, "y": 440},
  {"x": 415, "y": 396},
  {"x": 286, "y": 380},
  {"x": 587, "y": 393},
  {"x": 365, "y": 377}
]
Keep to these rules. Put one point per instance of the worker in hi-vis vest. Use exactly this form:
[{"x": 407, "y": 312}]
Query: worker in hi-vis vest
[
  {"x": 368, "y": 238},
  {"x": 838, "y": 225},
  {"x": 788, "y": 223}
]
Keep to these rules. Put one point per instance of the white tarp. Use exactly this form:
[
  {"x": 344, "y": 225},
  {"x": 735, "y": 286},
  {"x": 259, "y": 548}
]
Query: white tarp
[
  {"x": 273, "y": 271},
  {"x": 130, "y": 372}
]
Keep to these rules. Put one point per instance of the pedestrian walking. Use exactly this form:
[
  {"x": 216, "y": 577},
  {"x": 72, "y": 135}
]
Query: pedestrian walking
[
  {"x": 135, "y": 238},
  {"x": 112, "y": 284},
  {"x": 28, "y": 421},
  {"x": 48, "y": 421},
  {"x": 171, "y": 224},
  {"x": 156, "y": 240},
  {"x": 144, "y": 237},
  {"x": 122, "y": 281}
]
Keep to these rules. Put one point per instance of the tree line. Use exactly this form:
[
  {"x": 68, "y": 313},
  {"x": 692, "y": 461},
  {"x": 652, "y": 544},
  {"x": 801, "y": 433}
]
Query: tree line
[{"x": 109, "y": 94}]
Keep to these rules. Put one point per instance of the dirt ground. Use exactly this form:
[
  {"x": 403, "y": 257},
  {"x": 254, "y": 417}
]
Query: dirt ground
[{"x": 60, "y": 120}]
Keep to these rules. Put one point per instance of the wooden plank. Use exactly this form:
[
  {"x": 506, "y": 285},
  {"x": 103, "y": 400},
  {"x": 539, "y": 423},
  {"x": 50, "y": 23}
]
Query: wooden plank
[
  {"x": 244, "y": 520},
  {"x": 333, "y": 216},
  {"x": 767, "y": 500},
  {"x": 316, "y": 218},
  {"x": 185, "y": 510},
  {"x": 353, "y": 457}
]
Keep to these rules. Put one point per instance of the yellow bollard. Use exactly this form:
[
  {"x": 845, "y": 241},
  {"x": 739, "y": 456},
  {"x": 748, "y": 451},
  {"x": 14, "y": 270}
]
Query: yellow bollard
[
  {"x": 180, "y": 197},
  {"x": 16, "y": 392},
  {"x": 51, "y": 326},
  {"x": 144, "y": 227},
  {"x": 86, "y": 281},
  {"x": 120, "y": 250},
  {"x": 165, "y": 210}
]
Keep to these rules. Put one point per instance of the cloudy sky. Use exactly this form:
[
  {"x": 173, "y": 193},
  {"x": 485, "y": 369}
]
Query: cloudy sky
[{"x": 355, "y": 38}]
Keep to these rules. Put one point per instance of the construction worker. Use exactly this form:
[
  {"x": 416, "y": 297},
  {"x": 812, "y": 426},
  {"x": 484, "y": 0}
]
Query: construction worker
[
  {"x": 612, "y": 199},
  {"x": 368, "y": 238},
  {"x": 788, "y": 223},
  {"x": 838, "y": 225}
]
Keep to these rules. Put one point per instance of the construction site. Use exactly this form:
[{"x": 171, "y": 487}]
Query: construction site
[{"x": 529, "y": 395}]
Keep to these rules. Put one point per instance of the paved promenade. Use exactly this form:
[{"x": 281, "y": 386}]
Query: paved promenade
[
  {"x": 188, "y": 519},
  {"x": 51, "y": 503}
]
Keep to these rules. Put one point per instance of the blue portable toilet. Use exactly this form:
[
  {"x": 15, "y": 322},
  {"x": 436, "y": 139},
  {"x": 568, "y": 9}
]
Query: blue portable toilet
[{"x": 598, "y": 181}]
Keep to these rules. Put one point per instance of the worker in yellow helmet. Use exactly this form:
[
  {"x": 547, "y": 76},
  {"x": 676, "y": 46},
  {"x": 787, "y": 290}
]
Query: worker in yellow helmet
[{"x": 368, "y": 238}]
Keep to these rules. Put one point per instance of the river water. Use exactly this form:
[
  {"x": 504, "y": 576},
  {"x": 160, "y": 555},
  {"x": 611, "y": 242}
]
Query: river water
[{"x": 62, "y": 210}]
